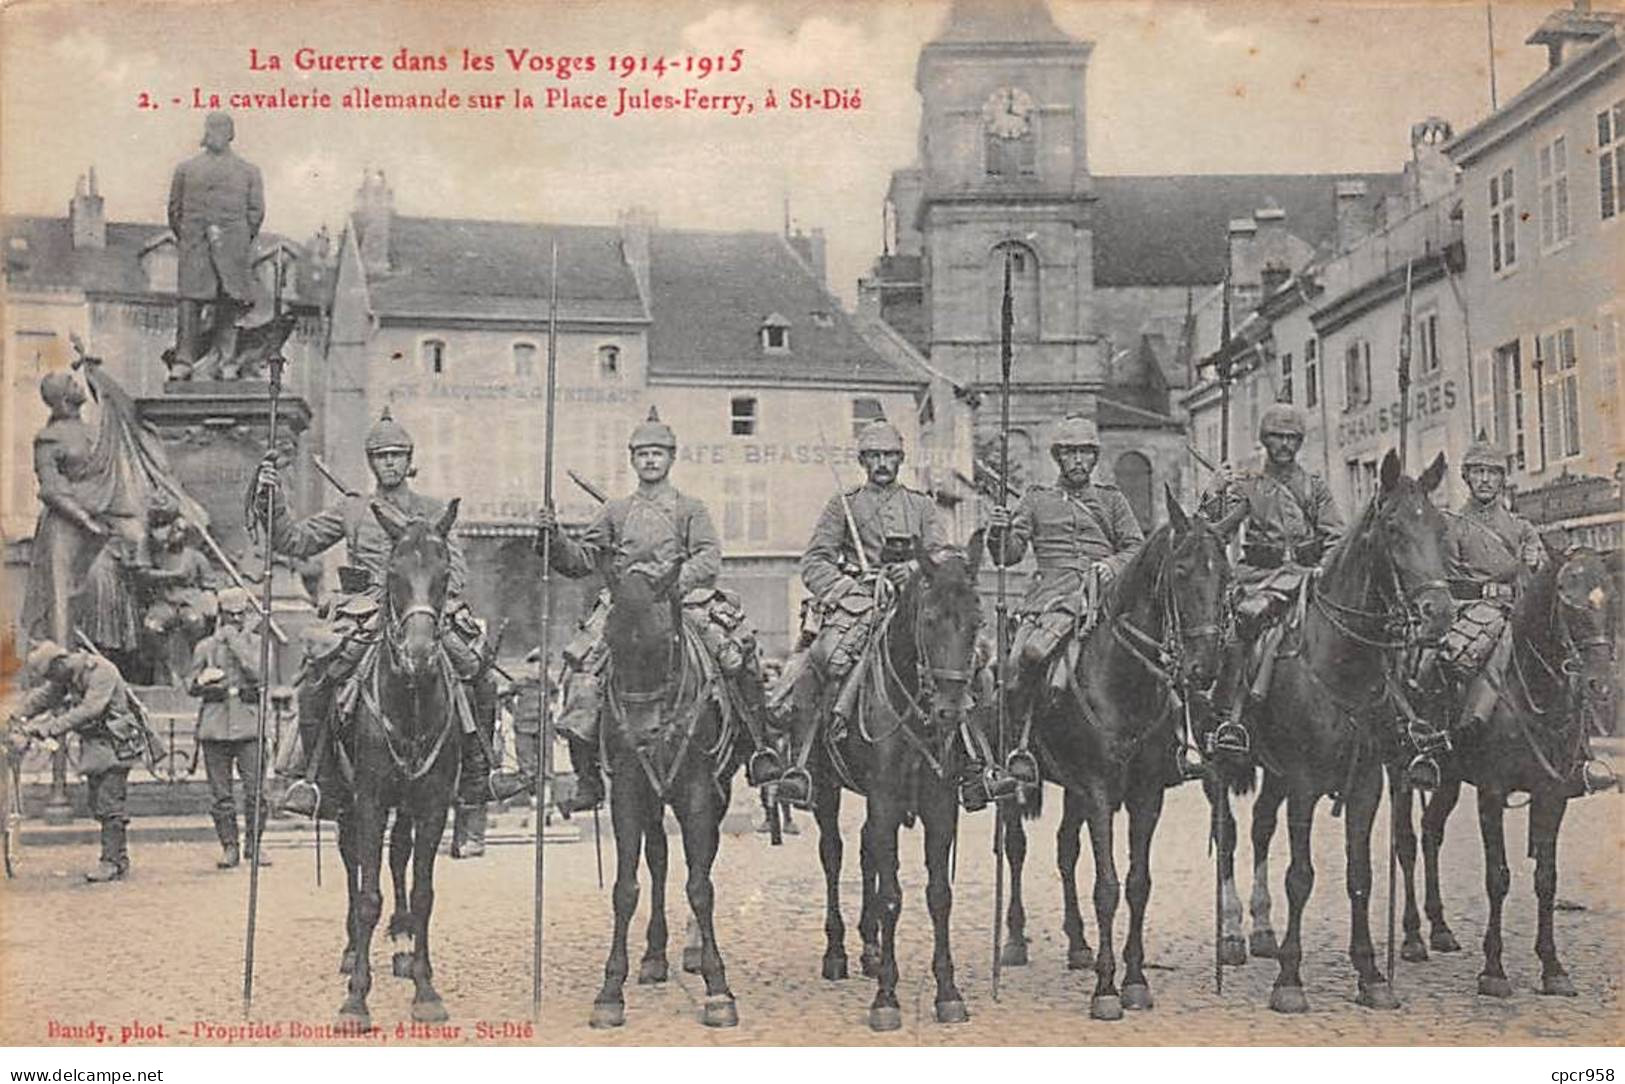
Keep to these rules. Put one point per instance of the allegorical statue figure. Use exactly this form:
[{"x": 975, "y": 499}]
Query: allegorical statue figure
[
  {"x": 216, "y": 205},
  {"x": 68, "y": 535}
]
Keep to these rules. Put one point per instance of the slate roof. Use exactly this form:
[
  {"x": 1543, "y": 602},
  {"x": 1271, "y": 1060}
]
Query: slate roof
[
  {"x": 1170, "y": 230},
  {"x": 1000, "y": 21},
  {"x": 711, "y": 291},
  {"x": 460, "y": 267}
]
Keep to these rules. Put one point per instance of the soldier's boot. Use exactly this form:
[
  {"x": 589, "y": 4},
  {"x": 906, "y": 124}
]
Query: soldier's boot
[
  {"x": 468, "y": 831},
  {"x": 1230, "y": 738},
  {"x": 481, "y": 780},
  {"x": 225, "y": 827},
  {"x": 589, "y": 792},
  {"x": 115, "y": 859},
  {"x": 1597, "y": 774},
  {"x": 303, "y": 797},
  {"x": 795, "y": 787},
  {"x": 765, "y": 764},
  {"x": 1019, "y": 764},
  {"x": 1424, "y": 744},
  {"x": 254, "y": 837},
  {"x": 1479, "y": 704}
]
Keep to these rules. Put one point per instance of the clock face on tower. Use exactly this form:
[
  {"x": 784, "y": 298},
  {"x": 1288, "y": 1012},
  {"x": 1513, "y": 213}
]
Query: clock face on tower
[{"x": 1008, "y": 113}]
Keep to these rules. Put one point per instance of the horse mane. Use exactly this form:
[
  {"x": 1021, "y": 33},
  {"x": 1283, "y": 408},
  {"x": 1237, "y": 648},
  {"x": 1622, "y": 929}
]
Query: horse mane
[
  {"x": 632, "y": 596},
  {"x": 1136, "y": 584}
]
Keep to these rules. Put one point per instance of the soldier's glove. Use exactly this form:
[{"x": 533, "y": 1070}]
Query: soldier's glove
[
  {"x": 1104, "y": 573},
  {"x": 899, "y": 573}
]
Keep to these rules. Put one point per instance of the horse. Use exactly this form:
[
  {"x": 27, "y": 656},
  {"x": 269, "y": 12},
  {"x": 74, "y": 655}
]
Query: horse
[
  {"x": 669, "y": 739},
  {"x": 404, "y": 752},
  {"x": 1561, "y": 685},
  {"x": 1325, "y": 725},
  {"x": 901, "y": 752},
  {"x": 1109, "y": 739}
]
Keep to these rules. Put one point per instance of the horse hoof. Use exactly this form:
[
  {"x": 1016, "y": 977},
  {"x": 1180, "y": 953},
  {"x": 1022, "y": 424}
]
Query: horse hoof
[
  {"x": 1232, "y": 950},
  {"x": 347, "y": 962},
  {"x": 1378, "y": 995},
  {"x": 401, "y": 965},
  {"x": 834, "y": 968},
  {"x": 885, "y": 1018},
  {"x": 1136, "y": 995},
  {"x": 607, "y": 1015},
  {"x": 720, "y": 1012},
  {"x": 870, "y": 964},
  {"x": 1080, "y": 959},
  {"x": 952, "y": 1012},
  {"x": 1262, "y": 944},
  {"x": 1289, "y": 999},
  {"x": 1443, "y": 940},
  {"x": 432, "y": 1011},
  {"x": 1106, "y": 1007},
  {"x": 1558, "y": 986},
  {"x": 353, "y": 1021},
  {"x": 691, "y": 960},
  {"x": 1495, "y": 986},
  {"x": 652, "y": 972},
  {"x": 1413, "y": 951},
  {"x": 1014, "y": 953}
]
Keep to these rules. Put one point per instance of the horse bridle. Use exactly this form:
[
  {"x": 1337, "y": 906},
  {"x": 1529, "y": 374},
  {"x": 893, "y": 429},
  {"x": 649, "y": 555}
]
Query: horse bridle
[
  {"x": 395, "y": 624},
  {"x": 1402, "y": 619},
  {"x": 1164, "y": 658}
]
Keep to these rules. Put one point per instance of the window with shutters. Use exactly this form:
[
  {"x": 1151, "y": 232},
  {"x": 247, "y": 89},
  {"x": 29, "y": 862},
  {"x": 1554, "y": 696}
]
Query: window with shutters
[
  {"x": 744, "y": 509},
  {"x": 1610, "y": 370},
  {"x": 1356, "y": 375},
  {"x": 1425, "y": 343},
  {"x": 1611, "y": 161},
  {"x": 1283, "y": 394},
  {"x": 1503, "y": 223},
  {"x": 1499, "y": 401},
  {"x": 1559, "y": 371},
  {"x": 1311, "y": 372},
  {"x": 1552, "y": 171}
]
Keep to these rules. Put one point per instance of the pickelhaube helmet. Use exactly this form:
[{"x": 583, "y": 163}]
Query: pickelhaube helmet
[
  {"x": 652, "y": 432},
  {"x": 1075, "y": 431},
  {"x": 44, "y": 654},
  {"x": 388, "y": 435},
  {"x": 233, "y": 600},
  {"x": 880, "y": 435},
  {"x": 1281, "y": 418},
  {"x": 1483, "y": 453}
]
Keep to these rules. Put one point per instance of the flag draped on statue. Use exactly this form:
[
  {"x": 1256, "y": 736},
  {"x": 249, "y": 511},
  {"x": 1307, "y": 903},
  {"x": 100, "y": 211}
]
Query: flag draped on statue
[{"x": 128, "y": 469}]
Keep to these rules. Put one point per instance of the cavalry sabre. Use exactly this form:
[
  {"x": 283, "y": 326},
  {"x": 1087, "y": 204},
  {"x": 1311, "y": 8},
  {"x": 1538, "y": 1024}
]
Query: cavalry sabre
[
  {"x": 547, "y": 621},
  {"x": 257, "y": 797},
  {"x": 1000, "y": 615}
]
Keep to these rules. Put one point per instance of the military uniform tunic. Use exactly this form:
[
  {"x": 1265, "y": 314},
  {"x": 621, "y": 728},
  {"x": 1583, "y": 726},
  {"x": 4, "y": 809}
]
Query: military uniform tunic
[
  {"x": 95, "y": 693},
  {"x": 880, "y": 512},
  {"x": 232, "y": 713},
  {"x": 1290, "y": 513},
  {"x": 367, "y": 544},
  {"x": 223, "y": 195},
  {"x": 647, "y": 531},
  {"x": 1068, "y": 531},
  {"x": 1488, "y": 544}
]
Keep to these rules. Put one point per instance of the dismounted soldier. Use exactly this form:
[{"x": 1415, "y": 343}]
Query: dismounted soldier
[
  {"x": 894, "y": 523},
  {"x": 1082, "y": 534},
  {"x": 83, "y": 693},
  {"x": 648, "y": 531},
  {"x": 528, "y": 695},
  {"x": 326, "y": 694},
  {"x": 1291, "y": 524},
  {"x": 226, "y": 677}
]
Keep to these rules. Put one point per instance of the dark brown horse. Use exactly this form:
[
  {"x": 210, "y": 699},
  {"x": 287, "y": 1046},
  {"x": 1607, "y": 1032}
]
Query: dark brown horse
[
  {"x": 902, "y": 751},
  {"x": 404, "y": 751},
  {"x": 668, "y": 741},
  {"x": 1560, "y": 684},
  {"x": 1109, "y": 739},
  {"x": 1326, "y": 725}
]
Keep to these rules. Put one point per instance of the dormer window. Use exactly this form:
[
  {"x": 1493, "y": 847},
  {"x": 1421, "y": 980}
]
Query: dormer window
[
  {"x": 820, "y": 318},
  {"x": 776, "y": 335}
]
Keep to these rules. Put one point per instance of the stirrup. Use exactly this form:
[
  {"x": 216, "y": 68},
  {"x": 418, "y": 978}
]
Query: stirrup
[
  {"x": 1422, "y": 773},
  {"x": 1023, "y": 767},
  {"x": 1000, "y": 784},
  {"x": 973, "y": 792},
  {"x": 296, "y": 800},
  {"x": 1230, "y": 738},
  {"x": 503, "y": 785},
  {"x": 795, "y": 787},
  {"x": 763, "y": 767},
  {"x": 1598, "y": 775}
]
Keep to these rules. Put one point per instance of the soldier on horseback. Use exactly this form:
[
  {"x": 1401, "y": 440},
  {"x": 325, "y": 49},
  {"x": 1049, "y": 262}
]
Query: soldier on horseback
[
  {"x": 327, "y": 693},
  {"x": 648, "y": 531},
  {"x": 892, "y": 523},
  {"x": 1291, "y": 524},
  {"x": 1082, "y": 534}
]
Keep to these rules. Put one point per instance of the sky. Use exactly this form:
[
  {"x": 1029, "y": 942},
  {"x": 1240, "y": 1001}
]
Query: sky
[{"x": 1218, "y": 87}]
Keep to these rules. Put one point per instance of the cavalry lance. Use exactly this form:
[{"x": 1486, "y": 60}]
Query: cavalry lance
[
  {"x": 547, "y": 619},
  {"x": 1000, "y": 613},
  {"x": 1404, "y": 418}
]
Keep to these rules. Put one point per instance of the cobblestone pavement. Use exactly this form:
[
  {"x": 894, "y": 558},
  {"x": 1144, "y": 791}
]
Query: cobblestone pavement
[{"x": 165, "y": 948}]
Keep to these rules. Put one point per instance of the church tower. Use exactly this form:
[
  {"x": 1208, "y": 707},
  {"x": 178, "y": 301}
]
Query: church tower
[{"x": 1002, "y": 173}]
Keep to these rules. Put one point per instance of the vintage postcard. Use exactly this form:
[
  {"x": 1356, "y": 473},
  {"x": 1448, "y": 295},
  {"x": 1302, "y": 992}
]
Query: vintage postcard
[{"x": 639, "y": 523}]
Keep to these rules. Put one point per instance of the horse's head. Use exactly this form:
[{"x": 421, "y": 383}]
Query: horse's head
[
  {"x": 1586, "y": 597},
  {"x": 645, "y": 615},
  {"x": 415, "y": 583},
  {"x": 1197, "y": 578},
  {"x": 1408, "y": 534},
  {"x": 947, "y": 614}
]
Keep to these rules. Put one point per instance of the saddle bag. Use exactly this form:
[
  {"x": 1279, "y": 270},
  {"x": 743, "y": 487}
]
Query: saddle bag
[{"x": 127, "y": 737}]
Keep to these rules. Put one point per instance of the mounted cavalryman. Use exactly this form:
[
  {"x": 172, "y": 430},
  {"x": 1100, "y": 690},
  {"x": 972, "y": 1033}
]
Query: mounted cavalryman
[
  {"x": 1083, "y": 534},
  {"x": 334, "y": 648},
  {"x": 648, "y": 531},
  {"x": 1291, "y": 524}
]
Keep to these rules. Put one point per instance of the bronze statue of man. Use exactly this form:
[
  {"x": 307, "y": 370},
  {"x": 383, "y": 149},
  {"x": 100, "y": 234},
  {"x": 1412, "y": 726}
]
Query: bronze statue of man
[{"x": 216, "y": 205}]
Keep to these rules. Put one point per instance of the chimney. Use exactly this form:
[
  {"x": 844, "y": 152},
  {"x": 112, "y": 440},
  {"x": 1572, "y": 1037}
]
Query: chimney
[
  {"x": 1431, "y": 173},
  {"x": 1274, "y": 248},
  {"x": 636, "y": 224},
  {"x": 1245, "y": 268},
  {"x": 86, "y": 219},
  {"x": 374, "y": 215},
  {"x": 1353, "y": 214},
  {"x": 813, "y": 250}
]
